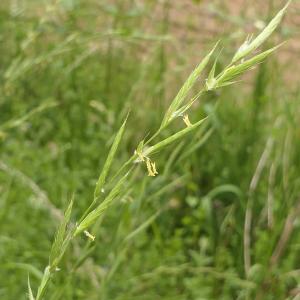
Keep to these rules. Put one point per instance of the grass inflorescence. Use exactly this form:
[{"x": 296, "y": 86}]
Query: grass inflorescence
[{"x": 187, "y": 204}]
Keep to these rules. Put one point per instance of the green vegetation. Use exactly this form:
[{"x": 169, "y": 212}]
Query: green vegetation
[{"x": 112, "y": 190}]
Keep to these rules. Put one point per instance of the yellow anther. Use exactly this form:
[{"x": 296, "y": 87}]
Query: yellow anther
[
  {"x": 186, "y": 120},
  {"x": 90, "y": 236},
  {"x": 151, "y": 167},
  {"x": 154, "y": 168}
]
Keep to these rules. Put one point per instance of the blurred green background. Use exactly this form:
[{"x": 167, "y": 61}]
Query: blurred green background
[{"x": 69, "y": 72}]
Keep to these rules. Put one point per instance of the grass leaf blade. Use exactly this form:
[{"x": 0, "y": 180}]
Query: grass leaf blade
[
  {"x": 101, "y": 181},
  {"x": 143, "y": 226}
]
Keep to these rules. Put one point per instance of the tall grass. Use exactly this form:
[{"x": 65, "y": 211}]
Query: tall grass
[
  {"x": 197, "y": 198},
  {"x": 179, "y": 107}
]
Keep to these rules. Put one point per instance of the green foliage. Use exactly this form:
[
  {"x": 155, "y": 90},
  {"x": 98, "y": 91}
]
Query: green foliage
[
  {"x": 71, "y": 70},
  {"x": 108, "y": 162},
  {"x": 57, "y": 249}
]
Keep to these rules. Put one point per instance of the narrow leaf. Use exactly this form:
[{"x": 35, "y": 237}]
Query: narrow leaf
[
  {"x": 197, "y": 145},
  {"x": 18, "y": 122},
  {"x": 108, "y": 162},
  {"x": 143, "y": 226}
]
